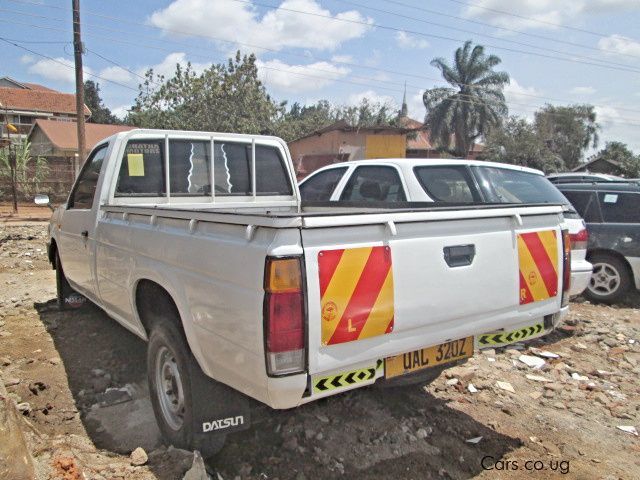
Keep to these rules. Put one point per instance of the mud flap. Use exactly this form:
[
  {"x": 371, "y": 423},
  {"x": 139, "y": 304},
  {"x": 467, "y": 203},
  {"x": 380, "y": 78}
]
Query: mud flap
[{"x": 217, "y": 408}]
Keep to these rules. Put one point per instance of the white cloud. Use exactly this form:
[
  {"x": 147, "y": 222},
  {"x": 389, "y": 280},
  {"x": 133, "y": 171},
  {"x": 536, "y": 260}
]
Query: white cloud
[
  {"x": 342, "y": 59},
  {"x": 619, "y": 44},
  {"x": 59, "y": 69},
  {"x": 582, "y": 91},
  {"x": 116, "y": 74},
  {"x": 276, "y": 29},
  {"x": 533, "y": 13},
  {"x": 373, "y": 97},
  {"x": 516, "y": 95},
  {"x": 406, "y": 40},
  {"x": 26, "y": 59},
  {"x": 121, "y": 111},
  {"x": 167, "y": 67},
  {"x": 299, "y": 78},
  {"x": 416, "y": 106}
]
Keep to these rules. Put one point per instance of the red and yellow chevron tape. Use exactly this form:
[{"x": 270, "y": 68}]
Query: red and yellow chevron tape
[
  {"x": 356, "y": 291},
  {"x": 538, "y": 254}
]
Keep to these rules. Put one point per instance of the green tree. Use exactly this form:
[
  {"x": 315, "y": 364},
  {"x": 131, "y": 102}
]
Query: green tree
[
  {"x": 517, "y": 142},
  {"x": 568, "y": 131},
  {"x": 29, "y": 171},
  {"x": 99, "y": 112},
  {"x": 619, "y": 153},
  {"x": 301, "y": 120},
  {"x": 368, "y": 114},
  {"x": 225, "y": 97},
  {"x": 472, "y": 106}
]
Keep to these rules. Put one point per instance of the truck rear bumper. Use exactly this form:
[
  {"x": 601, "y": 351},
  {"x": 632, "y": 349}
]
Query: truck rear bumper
[{"x": 295, "y": 390}]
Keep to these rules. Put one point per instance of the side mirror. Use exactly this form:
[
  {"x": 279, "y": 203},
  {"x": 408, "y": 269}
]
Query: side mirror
[{"x": 42, "y": 200}]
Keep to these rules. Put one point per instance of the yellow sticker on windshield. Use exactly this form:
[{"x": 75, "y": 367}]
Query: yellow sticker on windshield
[{"x": 135, "y": 162}]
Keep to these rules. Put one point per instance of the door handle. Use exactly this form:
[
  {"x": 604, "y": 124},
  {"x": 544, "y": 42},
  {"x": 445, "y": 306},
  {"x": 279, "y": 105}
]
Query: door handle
[
  {"x": 459, "y": 255},
  {"x": 85, "y": 233}
]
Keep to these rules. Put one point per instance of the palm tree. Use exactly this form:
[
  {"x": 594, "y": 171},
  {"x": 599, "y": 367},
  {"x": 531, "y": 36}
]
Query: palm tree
[{"x": 472, "y": 106}]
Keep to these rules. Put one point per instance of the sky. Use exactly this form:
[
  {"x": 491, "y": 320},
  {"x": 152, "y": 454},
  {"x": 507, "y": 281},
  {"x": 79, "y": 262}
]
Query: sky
[{"x": 555, "y": 51}]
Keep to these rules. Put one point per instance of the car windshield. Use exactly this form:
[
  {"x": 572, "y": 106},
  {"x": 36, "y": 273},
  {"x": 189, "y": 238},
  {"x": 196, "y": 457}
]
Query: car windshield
[{"x": 514, "y": 186}]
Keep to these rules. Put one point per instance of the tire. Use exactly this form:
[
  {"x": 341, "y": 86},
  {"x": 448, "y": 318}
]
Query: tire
[
  {"x": 609, "y": 281},
  {"x": 63, "y": 289},
  {"x": 169, "y": 363}
]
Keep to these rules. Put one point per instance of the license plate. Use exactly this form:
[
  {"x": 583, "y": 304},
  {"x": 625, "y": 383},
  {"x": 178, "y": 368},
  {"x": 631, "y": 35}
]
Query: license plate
[{"x": 428, "y": 357}]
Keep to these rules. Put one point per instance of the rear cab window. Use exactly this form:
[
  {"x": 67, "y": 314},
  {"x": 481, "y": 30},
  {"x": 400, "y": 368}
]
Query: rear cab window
[
  {"x": 376, "y": 183},
  {"x": 448, "y": 183},
  {"x": 142, "y": 169},
  {"x": 504, "y": 185}
]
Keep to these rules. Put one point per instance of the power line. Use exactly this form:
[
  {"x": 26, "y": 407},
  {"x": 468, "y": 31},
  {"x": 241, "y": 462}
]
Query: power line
[
  {"x": 306, "y": 75},
  {"x": 293, "y": 54},
  {"x": 514, "y": 42},
  {"x": 609, "y": 65},
  {"x": 499, "y": 27},
  {"x": 429, "y": 35},
  {"x": 311, "y": 68},
  {"x": 64, "y": 64},
  {"x": 530, "y": 19}
]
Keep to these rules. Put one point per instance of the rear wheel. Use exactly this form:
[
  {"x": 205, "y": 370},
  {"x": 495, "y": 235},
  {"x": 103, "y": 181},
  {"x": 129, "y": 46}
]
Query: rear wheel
[
  {"x": 170, "y": 385},
  {"x": 610, "y": 279}
]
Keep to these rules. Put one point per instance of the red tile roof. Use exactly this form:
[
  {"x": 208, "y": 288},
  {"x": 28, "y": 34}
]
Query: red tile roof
[
  {"x": 63, "y": 135},
  {"x": 37, "y": 98}
]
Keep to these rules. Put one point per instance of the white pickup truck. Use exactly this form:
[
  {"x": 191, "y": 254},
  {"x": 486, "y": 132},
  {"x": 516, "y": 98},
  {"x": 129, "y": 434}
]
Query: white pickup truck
[{"x": 198, "y": 243}]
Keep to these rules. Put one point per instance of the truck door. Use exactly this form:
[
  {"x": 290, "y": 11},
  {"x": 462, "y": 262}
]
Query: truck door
[{"x": 76, "y": 232}]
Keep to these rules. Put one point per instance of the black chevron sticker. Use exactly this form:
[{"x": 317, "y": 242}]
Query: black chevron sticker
[
  {"x": 321, "y": 385},
  {"x": 349, "y": 379}
]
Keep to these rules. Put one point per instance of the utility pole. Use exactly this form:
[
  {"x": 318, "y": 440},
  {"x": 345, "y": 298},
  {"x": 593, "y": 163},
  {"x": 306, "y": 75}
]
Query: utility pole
[{"x": 78, "y": 50}]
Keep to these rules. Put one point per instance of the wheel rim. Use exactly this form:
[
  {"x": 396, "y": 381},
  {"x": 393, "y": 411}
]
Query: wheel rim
[
  {"x": 605, "y": 279},
  {"x": 169, "y": 388}
]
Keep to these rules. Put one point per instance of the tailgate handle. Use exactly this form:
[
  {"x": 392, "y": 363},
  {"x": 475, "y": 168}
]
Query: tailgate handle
[{"x": 459, "y": 255}]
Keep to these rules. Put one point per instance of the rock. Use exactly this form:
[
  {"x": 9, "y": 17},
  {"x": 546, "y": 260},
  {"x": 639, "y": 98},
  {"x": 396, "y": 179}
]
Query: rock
[
  {"x": 559, "y": 406},
  {"x": 10, "y": 382},
  {"x": 472, "y": 388},
  {"x": 580, "y": 378},
  {"x": 24, "y": 408},
  {"x": 628, "y": 429},
  {"x": 489, "y": 352},
  {"x": 532, "y": 362},
  {"x": 5, "y": 361},
  {"x": 549, "y": 394},
  {"x": 100, "y": 384},
  {"x": 291, "y": 444},
  {"x": 197, "y": 470},
  {"x": 505, "y": 386},
  {"x": 452, "y": 381},
  {"x": 537, "y": 378},
  {"x": 323, "y": 418},
  {"x": 138, "y": 457},
  {"x": 37, "y": 387},
  {"x": 54, "y": 361},
  {"x": 309, "y": 434},
  {"x": 97, "y": 372}
]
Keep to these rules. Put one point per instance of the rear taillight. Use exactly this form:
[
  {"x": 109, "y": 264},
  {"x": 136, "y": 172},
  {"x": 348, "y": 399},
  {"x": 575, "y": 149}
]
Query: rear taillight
[
  {"x": 579, "y": 240},
  {"x": 566, "y": 266},
  {"x": 284, "y": 318}
]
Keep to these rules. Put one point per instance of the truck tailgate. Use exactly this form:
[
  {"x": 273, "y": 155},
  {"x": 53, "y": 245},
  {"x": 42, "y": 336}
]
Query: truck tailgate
[{"x": 413, "y": 280}]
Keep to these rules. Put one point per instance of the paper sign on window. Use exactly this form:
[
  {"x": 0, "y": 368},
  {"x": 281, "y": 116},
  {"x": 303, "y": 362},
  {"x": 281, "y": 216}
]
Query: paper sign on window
[
  {"x": 135, "y": 162},
  {"x": 610, "y": 198}
]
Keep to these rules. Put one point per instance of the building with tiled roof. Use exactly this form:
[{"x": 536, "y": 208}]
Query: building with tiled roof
[{"x": 24, "y": 103}]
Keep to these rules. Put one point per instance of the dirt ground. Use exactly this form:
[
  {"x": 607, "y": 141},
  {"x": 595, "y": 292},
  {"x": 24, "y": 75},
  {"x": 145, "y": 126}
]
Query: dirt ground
[{"x": 560, "y": 420}]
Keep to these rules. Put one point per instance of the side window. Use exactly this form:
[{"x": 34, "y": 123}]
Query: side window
[
  {"x": 85, "y": 188},
  {"x": 447, "y": 184},
  {"x": 375, "y": 183},
  {"x": 620, "y": 207},
  {"x": 585, "y": 203},
  {"x": 142, "y": 170},
  {"x": 271, "y": 173},
  {"x": 320, "y": 186}
]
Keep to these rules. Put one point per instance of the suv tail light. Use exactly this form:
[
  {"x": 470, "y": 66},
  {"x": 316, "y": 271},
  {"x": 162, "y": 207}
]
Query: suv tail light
[
  {"x": 579, "y": 240},
  {"x": 566, "y": 267},
  {"x": 284, "y": 316}
]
